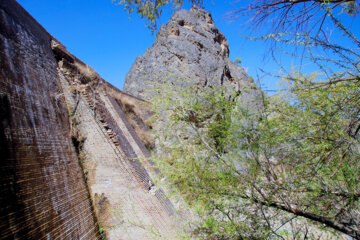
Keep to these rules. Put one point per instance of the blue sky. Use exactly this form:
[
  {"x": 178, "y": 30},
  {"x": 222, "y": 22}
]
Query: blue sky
[{"x": 108, "y": 39}]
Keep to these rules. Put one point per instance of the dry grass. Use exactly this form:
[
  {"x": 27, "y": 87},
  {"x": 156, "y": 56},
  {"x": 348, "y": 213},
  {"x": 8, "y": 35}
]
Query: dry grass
[
  {"x": 146, "y": 138},
  {"x": 137, "y": 112}
]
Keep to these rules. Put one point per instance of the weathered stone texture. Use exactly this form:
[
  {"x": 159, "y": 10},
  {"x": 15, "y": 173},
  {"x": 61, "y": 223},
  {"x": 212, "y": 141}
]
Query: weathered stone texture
[
  {"x": 43, "y": 194},
  {"x": 188, "y": 50}
]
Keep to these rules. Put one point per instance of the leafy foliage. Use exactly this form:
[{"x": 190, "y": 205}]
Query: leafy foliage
[
  {"x": 248, "y": 172},
  {"x": 151, "y": 10},
  {"x": 238, "y": 60}
]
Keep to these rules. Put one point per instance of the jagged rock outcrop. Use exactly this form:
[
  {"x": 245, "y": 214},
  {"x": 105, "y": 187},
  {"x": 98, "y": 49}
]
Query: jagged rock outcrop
[{"x": 189, "y": 49}]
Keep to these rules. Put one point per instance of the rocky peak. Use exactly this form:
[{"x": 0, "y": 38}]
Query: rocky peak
[
  {"x": 185, "y": 23},
  {"x": 189, "y": 49}
]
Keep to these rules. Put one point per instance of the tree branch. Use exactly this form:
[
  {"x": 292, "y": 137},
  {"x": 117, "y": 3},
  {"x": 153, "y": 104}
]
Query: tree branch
[{"x": 330, "y": 223}]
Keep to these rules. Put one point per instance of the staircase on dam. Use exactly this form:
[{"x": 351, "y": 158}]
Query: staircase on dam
[{"x": 115, "y": 162}]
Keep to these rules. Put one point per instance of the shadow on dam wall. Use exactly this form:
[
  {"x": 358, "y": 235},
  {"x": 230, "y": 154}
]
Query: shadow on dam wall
[
  {"x": 49, "y": 108},
  {"x": 43, "y": 195}
]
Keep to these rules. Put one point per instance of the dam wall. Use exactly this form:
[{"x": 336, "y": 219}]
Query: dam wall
[
  {"x": 73, "y": 148},
  {"x": 43, "y": 194}
]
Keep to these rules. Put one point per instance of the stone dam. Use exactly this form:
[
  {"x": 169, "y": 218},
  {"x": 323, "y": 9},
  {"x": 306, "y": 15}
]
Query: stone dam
[
  {"x": 74, "y": 151},
  {"x": 70, "y": 158}
]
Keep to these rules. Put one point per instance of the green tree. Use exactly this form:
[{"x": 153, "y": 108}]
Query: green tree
[
  {"x": 291, "y": 168},
  {"x": 249, "y": 173}
]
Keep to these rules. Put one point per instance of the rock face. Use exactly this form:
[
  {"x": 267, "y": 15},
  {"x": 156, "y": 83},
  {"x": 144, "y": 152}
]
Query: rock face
[{"x": 188, "y": 50}]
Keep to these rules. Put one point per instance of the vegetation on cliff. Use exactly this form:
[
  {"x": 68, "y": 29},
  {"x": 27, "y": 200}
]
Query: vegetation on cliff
[
  {"x": 290, "y": 168},
  {"x": 251, "y": 173}
]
